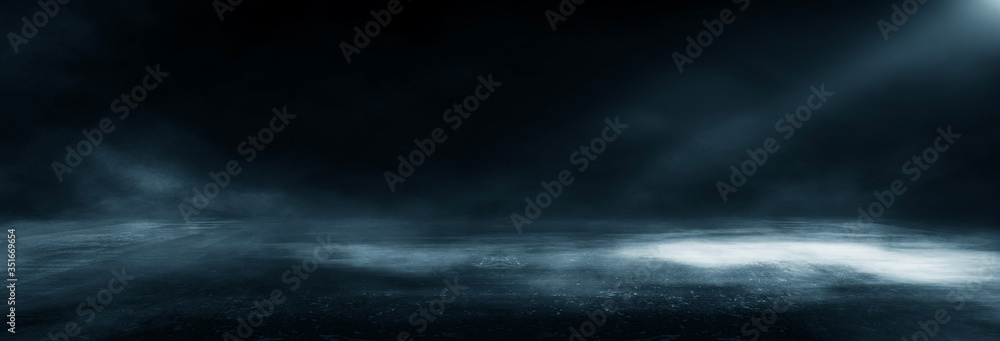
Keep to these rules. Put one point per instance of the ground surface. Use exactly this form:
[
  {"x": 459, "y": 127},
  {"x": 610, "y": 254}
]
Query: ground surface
[{"x": 676, "y": 281}]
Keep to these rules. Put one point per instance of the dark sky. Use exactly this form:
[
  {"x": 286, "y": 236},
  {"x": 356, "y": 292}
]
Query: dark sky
[{"x": 608, "y": 59}]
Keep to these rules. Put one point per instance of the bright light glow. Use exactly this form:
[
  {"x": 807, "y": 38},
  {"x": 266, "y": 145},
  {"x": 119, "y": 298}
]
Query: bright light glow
[
  {"x": 925, "y": 263},
  {"x": 994, "y": 3}
]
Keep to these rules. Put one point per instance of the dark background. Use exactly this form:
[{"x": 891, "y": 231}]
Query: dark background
[{"x": 608, "y": 59}]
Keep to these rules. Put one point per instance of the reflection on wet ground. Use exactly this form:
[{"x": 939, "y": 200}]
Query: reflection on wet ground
[{"x": 778, "y": 280}]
